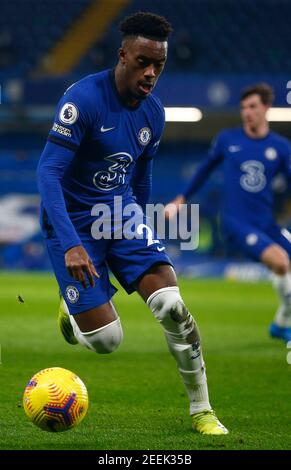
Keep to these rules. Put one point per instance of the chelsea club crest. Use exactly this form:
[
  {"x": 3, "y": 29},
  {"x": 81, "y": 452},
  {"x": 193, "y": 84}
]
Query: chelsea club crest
[
  {"x": 144, "y": 135},
  {"x": 72, "y": 294}
]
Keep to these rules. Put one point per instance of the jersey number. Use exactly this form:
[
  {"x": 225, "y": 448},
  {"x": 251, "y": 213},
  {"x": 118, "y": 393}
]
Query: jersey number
[
  {"x": 149, "y": 232},
  {"x": 106, "y": 180}
]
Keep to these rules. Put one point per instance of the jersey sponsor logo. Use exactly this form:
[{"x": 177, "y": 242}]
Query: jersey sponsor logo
[
  {"x": 251, "y": 239},
  {"x": 114, "y": 176},
  {"x": 72, "y": 294},
  {"x": 161, "y": 248},
  {"x": 144, "y": 135},
  {"x": 254, "y": 179},
  {"x": 103, "y": 129},
  {"x": 234, "y": 148},
  {"x": 69, "y": 113},
  {"x": 271, "y": 153},
  {"x": 62, "y": 130}
]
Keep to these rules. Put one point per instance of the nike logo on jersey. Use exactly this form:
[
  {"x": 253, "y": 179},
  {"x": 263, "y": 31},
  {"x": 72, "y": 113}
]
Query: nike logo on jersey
[
  {"x": 234, "y": 148},
  {"x": 106, "y": 129},
  {"x": 161, "y": 248}
]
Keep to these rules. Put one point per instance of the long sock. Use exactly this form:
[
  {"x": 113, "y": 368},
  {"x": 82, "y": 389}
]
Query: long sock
[
  {"x": 184, "y": 344},
  {"x": 78, "y": 334},
  {"x": 282, "y": 285}
]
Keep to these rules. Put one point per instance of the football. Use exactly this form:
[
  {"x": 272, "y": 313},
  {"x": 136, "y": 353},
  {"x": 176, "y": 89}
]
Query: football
[{"x": 55, "y": 399}]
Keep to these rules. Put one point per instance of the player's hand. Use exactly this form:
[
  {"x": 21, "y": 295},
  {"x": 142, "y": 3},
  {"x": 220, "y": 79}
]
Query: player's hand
[
  {"x": 79, "y": 264},
  {"x": 173, "y": 207}
]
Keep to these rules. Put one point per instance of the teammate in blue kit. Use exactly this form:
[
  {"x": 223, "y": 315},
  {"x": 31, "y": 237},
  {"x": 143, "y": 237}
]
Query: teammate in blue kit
[
  {"x": 107, "y": 129},
  {"x": 251, "y": 156}
]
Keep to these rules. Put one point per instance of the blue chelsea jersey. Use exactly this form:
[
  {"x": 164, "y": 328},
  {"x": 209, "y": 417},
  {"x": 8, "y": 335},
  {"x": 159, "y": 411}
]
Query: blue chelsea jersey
[
  {"x": 107, "y": 137},
  {"x": 249, "y": 166}
]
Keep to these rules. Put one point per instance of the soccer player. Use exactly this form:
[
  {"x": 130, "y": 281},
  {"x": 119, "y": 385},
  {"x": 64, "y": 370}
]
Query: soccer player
[
  {"x": 251, "y": 156},
  {"x": 107, "y": 129}
]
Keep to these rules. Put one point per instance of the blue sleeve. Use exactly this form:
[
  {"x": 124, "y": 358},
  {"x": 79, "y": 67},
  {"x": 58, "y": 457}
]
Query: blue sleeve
[
  {"x": 203, "y": 171},
  {"x": 74, "y": 117},
  {"x": 142, "y": 181},
  {"x": 51, "y": 168}
]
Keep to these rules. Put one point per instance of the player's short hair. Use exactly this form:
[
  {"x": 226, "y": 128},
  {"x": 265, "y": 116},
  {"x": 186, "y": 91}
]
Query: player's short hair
[
  {"x": 146, "y": 24},
  {"x": 264, "y": 90}
]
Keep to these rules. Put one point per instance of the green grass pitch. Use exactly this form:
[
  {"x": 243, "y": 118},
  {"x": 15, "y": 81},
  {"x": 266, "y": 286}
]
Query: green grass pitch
[{"x": 137, "y": 400}]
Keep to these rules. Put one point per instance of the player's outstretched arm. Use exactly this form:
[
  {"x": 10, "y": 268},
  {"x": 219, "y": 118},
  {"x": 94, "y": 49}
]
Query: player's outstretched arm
[
  {"x": 173, "y": 207},
  {"x": 200, "y": 176}
]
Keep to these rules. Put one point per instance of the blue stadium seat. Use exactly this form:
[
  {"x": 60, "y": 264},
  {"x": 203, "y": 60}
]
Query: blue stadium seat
[
  {"x": 33, "y": 27},
  {"x": 241, "y": 36}
]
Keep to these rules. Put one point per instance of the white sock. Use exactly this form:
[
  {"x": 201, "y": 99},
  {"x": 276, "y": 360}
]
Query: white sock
[
  {"x": 282, "y": 285},
  {"x": 197, "y": 389},
  {"x": 188, "y": 355},
  {"x": 78, "y": 334}
]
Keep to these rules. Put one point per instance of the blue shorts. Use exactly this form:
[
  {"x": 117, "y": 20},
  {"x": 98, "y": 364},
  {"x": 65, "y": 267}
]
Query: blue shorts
[
  {"x": 252, "y": 241},
  {"x": 127, "y": 259}
]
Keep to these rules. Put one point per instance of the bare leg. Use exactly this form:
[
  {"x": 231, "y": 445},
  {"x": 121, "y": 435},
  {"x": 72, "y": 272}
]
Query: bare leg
[
  {"x": 157, "y": 277},
  {"x": 96, "y": 317},
  {"x": 277, "y": 259}
]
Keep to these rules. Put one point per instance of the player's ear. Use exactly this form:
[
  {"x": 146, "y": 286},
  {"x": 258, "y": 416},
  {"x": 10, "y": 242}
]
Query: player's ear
[
  {"x": 121, "y": 55},
  {"x": 267, "y": 107}
]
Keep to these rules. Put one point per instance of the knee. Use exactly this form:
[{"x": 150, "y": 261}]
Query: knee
[
  {"x": 170, "y": 310},
  {"x": 281, "y": 263},
  {"x": 277, "y": 259},
  {"x": 282, "y": 266},
  {"x": 106, "y": 339}
]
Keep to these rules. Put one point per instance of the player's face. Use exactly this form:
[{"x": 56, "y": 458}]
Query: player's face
[
  {"x": 143, "y": 61},
  {"x": 253, "y": 111}
]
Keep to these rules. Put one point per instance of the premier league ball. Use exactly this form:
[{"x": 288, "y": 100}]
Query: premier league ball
[{"x": 55, "y": 399}]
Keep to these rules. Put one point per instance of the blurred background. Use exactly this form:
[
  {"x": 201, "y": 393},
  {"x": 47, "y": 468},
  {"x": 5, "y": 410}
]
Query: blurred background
[{"x": 218, "y": 47}]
